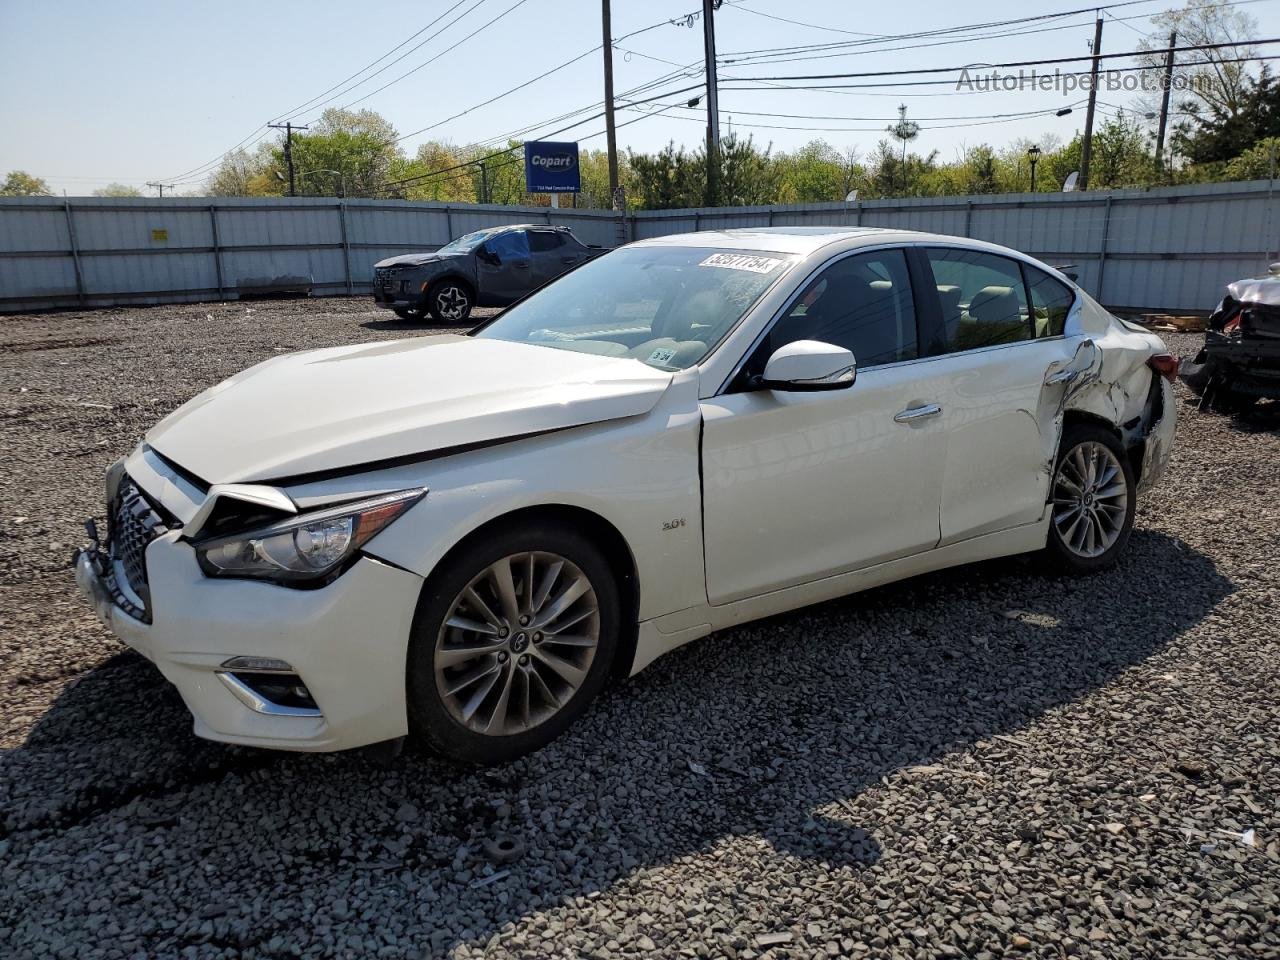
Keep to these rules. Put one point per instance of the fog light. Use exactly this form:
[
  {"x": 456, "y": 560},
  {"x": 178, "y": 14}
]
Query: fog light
[{"x": 257, "y": 665}]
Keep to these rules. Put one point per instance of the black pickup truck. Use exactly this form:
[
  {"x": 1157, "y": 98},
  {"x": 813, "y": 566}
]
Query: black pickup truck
[{"x": 488, "y": 268}]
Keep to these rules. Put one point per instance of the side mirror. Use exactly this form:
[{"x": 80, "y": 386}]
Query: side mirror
[
  {"x": 809, "y": 365},
  {"x": 486, "y": 254}
]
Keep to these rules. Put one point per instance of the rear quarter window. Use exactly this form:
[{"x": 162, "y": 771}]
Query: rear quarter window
[{"x": 1051, "y": 301}]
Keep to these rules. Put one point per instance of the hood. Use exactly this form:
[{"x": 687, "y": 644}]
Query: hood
[
  {"x": 1263, "y": 290},
  {"x": 417, "y": 259},
  {"x": 347, "y": 406}
]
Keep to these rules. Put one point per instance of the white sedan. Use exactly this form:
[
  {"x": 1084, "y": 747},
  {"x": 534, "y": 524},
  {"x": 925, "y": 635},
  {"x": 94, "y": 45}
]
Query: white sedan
[{"x": 463, "y": 538}]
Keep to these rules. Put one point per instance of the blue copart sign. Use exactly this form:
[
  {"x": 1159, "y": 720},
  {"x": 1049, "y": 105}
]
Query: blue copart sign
[{"x": 551, "y": 167}]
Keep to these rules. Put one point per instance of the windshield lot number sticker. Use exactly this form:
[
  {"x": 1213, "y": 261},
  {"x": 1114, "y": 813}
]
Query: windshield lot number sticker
[
  {"x": 662, "y": 355},
  {"x": 741, "y": 261}
]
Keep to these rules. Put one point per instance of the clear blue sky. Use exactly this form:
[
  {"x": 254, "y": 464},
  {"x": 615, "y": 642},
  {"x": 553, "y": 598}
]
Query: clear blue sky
[{"x": 137, "y": 90}]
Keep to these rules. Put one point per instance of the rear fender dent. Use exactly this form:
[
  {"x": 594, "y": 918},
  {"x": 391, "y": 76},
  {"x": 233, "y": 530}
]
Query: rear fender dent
[{"x": 1066, "y": 383}]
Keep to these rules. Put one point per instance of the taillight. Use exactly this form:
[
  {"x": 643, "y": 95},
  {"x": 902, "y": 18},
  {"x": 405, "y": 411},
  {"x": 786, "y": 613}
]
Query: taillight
[{"x": 1165, "y": 365}]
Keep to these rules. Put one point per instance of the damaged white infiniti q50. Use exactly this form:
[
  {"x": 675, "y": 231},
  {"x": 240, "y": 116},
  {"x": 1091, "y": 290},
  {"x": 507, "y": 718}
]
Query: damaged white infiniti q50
[{"x": 464, "y": 537}]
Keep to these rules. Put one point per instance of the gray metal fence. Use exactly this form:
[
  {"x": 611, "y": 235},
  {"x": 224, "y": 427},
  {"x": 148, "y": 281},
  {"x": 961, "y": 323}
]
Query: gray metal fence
[{"x": 1167, "y": 248}]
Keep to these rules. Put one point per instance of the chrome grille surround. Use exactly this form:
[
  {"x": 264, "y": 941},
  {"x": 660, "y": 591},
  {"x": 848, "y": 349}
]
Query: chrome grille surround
[{"x": 134, "y": 523}]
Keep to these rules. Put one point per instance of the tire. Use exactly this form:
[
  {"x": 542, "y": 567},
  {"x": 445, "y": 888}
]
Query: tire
[
  {"x": 451, "y": 303},
  {"x": 411, "y": 314},
  {"x": 1086, "y": 452},
  {"x": 540, "y": 685}
]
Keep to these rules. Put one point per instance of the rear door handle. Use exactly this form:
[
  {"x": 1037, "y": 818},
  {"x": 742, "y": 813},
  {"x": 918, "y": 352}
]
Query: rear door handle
[{"x": 917, "y": 413}]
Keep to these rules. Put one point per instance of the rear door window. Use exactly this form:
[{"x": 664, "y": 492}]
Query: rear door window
[
  {"x": 545, "y": 241},
  {"x": 1051, "y": 301},
  {"x": 983, "y": 299}
]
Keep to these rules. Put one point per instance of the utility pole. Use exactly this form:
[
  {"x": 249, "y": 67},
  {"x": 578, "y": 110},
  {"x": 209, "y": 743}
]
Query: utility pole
[
  {"x": 288, "y": 129},
  {"x": 1087, "y": 147},
  {"x": 611, "y": 137},
  {"x": 160, "y": 187},
  {"x": 1164, "y": 101},
  {"x": 713, "y": 103}
]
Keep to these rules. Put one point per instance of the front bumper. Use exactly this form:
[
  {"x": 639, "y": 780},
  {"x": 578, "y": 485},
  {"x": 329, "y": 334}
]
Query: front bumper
[
  {"x": 346, "y": 641},
  {"x": 399, "y": 291}
]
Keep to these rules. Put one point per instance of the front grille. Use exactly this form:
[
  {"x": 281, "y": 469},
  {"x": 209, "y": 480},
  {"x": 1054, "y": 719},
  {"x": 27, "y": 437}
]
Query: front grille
[{"x": 134, "y": 524}]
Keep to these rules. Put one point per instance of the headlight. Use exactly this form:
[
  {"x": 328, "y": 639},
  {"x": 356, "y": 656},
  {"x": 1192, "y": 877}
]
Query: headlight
[{"x": 309, "y": 547}]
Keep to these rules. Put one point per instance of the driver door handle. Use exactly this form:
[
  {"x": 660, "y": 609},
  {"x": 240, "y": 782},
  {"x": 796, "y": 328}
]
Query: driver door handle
[{"x": 917, "y": 413}]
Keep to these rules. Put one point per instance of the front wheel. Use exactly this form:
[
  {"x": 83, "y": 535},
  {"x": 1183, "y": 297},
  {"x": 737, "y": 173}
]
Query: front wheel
[
  {"x": 450, "y": 303},
  {"x": 511, "y": 642},
  {"x": 1094, "y": 498}
]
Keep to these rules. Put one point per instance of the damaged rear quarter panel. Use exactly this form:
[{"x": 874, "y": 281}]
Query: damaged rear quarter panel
[{"x": 1115, "y": 385}]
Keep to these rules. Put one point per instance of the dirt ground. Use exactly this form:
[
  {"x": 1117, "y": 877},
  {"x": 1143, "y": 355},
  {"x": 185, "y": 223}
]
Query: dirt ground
[{"x": 974, "y": 763}]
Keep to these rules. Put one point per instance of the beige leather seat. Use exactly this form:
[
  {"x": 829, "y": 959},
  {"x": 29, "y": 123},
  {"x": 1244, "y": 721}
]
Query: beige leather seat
[
  {"x": 994, "y": 316},
  {"x": 686, "y": 332}
]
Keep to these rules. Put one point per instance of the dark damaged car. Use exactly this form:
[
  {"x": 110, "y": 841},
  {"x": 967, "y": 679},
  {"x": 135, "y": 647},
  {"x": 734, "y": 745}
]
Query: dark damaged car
[
  {"x": 488, "y": 268},
  {"x": 1239, "y": 363}
]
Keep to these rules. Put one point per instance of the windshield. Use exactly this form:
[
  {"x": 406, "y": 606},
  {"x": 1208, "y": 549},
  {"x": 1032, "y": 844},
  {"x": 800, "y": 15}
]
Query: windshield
[
  {"x": 666, "y": 306},
  {"x": 467, "y": 243}
]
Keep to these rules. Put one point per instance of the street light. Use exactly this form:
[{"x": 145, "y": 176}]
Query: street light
[{"x": 1033, "y": 155}]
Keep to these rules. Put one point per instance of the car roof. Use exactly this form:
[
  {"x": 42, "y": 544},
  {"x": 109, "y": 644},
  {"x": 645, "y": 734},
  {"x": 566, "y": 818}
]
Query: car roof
[{"x": 798, "y": 240}]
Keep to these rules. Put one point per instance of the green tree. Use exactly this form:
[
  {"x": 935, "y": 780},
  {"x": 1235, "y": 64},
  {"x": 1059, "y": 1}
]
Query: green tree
[
  {"x": 668, "y": 179},
  {"x": 1259, "y": 162},
  {"x": 1216, "y": 137},
  {"x": 245, "y": 174},
  {"x": 748, "y": 175},
  {"x": 19, "y": 183},
  {"x": 349, "y": 152},
  {"x": 1121, "y": 156},
  {"x": 117, "y": 190}
]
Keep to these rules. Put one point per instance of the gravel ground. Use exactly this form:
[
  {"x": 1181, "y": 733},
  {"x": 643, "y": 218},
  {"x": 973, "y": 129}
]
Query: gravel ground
[{"x": 975, "y": 763}]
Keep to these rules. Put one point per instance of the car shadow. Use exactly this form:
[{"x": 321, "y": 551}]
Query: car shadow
[
  {"x": 1263, "y": 417},
  {"x": 805, "y": 711}
]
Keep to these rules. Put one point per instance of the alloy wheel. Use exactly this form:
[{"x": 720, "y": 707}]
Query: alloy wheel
[
  {"x": 452, "y": 303},
  {"x": 1090, "y": 499},
  {"x": 517, "y": 644}
]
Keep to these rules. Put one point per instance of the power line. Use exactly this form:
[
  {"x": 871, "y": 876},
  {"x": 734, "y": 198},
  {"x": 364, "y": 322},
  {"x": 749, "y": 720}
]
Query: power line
[
  {"x": 289, "y": 114},
  {"x": 819, "y": 116},
  {"x": 263, "y": 130},
  {"x": 801, "y": 23},
  {"x": 951, "y": 83},
  {"x": 454, "y": 46},
  {"x": 1049, "y": 61}
]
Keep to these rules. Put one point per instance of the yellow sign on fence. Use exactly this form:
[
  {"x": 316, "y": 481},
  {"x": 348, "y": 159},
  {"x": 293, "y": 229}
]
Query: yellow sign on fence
[{"x": 159, "y": 236}]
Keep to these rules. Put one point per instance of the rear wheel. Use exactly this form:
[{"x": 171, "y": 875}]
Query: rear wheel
[
  {"x": 450, "y": 302},
  {"x": 1094, "y": 497},
  {"x": 511, "y": 642}
]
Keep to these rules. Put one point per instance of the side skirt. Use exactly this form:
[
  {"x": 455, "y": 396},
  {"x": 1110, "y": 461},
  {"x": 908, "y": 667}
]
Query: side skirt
[{"x": 664, "y": 634}]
